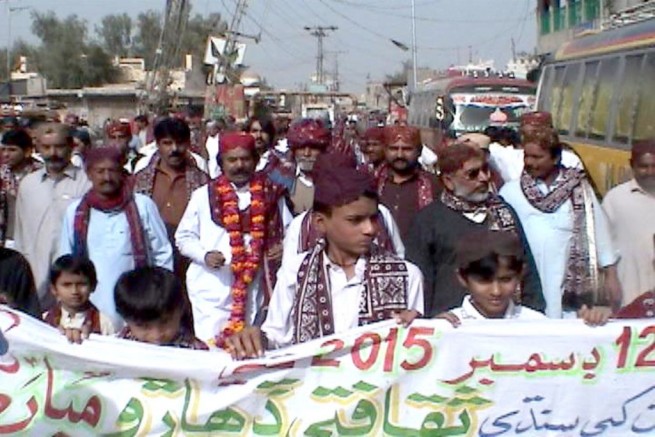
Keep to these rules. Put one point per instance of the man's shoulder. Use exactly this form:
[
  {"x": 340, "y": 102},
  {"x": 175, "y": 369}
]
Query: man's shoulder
[
  {"x": 34, "y": 177},
  {"x": 617, "y": 193}
]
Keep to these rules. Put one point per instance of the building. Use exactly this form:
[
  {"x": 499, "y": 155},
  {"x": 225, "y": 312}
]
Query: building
[{"x": 559, "y": 21}]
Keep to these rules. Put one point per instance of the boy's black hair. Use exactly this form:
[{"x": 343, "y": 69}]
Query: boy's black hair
[
  {"x": 479, "y": 255},
  {"x": 172, "y": 128},
  {"x": 17, "y": 137},
  {"x": 147, "y": 294},
  {"x": 76, "y": 265}
]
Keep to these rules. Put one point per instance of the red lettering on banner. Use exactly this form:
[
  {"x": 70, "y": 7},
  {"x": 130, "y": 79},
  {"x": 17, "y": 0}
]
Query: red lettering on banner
[
  {"x": 412, "y": 340},
  {"x": 374, "y": 350},
  {"x": 320, "y": 361},
  {"x": 643, "y": 359}
]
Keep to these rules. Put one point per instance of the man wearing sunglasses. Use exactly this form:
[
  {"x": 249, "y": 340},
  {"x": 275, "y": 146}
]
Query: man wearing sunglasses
[{"x": 466, "y": 205}]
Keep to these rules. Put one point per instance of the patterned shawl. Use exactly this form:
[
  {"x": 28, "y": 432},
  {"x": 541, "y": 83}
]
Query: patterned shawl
[
  {"x": 309, "y": 235},
  {"x": 579, "y": 285},
  {"x": 4, "y": 214},
  {"x": 125, "y": 203},
  {"x": 10, "y": 180},
  {"x": 91, "y": 316},
  {"x": 385, "y": 292},
  {"x": 425, "y": 187},
  {"x": 274, "y": 229},
  {"x": 499, "y": 213},
  {"x": 144, "y": 180}
]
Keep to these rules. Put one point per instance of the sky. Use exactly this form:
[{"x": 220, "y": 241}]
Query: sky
[{"x": 286, "y": 54}]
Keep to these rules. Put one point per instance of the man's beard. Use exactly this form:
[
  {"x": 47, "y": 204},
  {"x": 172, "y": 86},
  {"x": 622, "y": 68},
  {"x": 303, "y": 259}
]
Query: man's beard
[
  {"x": 474, "y": 197},
  {"x": 306, "y": 165}
]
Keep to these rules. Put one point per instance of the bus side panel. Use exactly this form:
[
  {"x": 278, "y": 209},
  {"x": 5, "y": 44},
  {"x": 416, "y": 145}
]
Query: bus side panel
[{"x": 606, "y": 166}]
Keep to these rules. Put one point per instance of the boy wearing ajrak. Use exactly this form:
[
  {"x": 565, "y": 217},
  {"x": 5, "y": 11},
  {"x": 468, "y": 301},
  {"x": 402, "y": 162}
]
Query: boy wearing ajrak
[
  {"x": 230, "y": 229},
  {"x": 345, "y": 281}
]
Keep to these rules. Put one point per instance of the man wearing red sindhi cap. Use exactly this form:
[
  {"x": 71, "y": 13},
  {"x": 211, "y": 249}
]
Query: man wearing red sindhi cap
[
  {"x": 345, "y": 281},
  {"x": 232, "y": 228},
  {"x": 402, "y": 185}
]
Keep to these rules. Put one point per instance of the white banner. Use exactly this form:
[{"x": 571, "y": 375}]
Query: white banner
[{"x": 488, "y": 378}]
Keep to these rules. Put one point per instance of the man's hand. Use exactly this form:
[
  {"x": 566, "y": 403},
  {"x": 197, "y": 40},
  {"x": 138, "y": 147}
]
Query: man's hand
[
  {"x": 75, "y": 335},
  {"x": 274, "y": 252},
  {"x": 612, "y": 286},
  {"x": 450, "y": 317},
  {"x": 249, "y": 343},
  {"x": 405, "y": 317},
  {"x": 214, "y": 259},
  {"x": 596, "y": 316}
]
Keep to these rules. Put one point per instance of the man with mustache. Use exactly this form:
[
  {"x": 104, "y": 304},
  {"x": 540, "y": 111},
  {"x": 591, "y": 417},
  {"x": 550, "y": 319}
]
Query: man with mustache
[
  {"x": 630, "y": 208},
  {"x": 567, "y": 230},
  {"x": 229, "y": 230},
  {"x": 345, "y": 280},
  {"x": 41, "y": 203},
  {"x": 307, "y": 138},
  {"x": 170, "y": 178},
  {"x": 465, "y": 205},
  {"x": 115, "y": 228},
  {"x": 403, "y": 186}
]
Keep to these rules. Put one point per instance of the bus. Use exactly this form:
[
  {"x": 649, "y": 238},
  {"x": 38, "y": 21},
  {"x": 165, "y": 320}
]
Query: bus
[
  {"x": 600, "y": 89},
  {"x": 470, "y": 104}
]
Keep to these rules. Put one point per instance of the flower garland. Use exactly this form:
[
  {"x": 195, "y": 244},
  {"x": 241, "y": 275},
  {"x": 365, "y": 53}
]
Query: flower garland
[{"x": 245, "y": 260}]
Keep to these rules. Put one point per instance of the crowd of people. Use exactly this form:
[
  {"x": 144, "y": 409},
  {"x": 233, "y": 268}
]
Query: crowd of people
[{"x": 263, "y": 234}]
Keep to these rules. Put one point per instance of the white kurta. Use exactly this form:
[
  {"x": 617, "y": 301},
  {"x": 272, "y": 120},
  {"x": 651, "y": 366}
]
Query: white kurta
[
  {"x": 517, "y": 312},
  {"x": 509, "y": 161},
  {"x": 110, "y": 247},
  {"x": 631, "y": 212},
  {"x": 209, "y": 289},
  {"x": 212, "y": 146},
  {"x": 292, "y": 236},
  {"x": 550, "y": 236},
  {"x": 344, "y": 292}
]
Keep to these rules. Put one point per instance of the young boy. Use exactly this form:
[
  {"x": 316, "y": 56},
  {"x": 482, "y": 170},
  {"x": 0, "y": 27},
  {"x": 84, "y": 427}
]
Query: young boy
[
  {"x": 72, "y": 280},
  {"x": 151, "y": 301},
  {"x": 490, "y": 265}
]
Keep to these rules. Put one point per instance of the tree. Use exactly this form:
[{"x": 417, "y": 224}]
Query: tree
[
  {"x": 65, "y": 57},
  {"x": 146, "y": 41},
  {"x": 115, "y": 32},
  {"x": 199, "y": 28},
  {"x": 400, "y": 76}
]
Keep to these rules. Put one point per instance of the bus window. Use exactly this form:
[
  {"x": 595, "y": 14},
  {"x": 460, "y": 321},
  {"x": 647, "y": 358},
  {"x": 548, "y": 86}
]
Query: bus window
[
  {"x": 628, "y": 95},
  {"x": 645, "y": 122},
  {"x": 556, "y": 90},
  {"x": 546, "y": 91},
  {"x": 604, "y": 92},
  {"x": 586, "y": 98},
  {"x": 562, "y": 119}
]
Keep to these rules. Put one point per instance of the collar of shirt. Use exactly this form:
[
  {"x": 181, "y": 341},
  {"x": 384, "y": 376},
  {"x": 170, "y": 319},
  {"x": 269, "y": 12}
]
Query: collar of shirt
[
  {"x": 360, "y": 269},
  {"x": 70, "y": 171},
  {"x": 172, "y": 176},
  {"x": 412, "y": 178},
  {"x": 263, "y": 160},
  {"x": 243, "y": 194},
  {"x": 69, "y": 320},
  {"x": 634, "y": 187},
  {"x": 302, "y": 178},
  {"x": 478, "y": 216},
  {"x": 470, "y": 312},
  {"x": 544, "y": 187}
]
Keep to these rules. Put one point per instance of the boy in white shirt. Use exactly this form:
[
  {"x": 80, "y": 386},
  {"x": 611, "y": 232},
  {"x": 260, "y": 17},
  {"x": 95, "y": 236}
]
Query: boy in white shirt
[{"x": 490, "y": 265}]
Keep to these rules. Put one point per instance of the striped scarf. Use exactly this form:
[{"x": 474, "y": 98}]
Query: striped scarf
[
  {"x": 579, "y": 285},
  {"x": 123, "y": 203}
]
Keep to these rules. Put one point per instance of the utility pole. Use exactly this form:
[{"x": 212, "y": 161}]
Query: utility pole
[
  {"x": 223, "y": 68},
  {"x": 414, "y": 49},
  {"x": 513, "y": 50},
  {"x": 320, "y": 32},
  {"x": 337, "y": 81}
]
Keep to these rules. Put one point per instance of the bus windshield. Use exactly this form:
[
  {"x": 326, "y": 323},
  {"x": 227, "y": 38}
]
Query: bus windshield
[{"x": 475, "y": 111}]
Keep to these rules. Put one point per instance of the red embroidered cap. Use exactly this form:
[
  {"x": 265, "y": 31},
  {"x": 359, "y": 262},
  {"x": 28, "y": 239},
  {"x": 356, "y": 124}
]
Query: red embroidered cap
[
  {"x": 405, "y": 134},
  {"x": 537, "y": 118},
  {"x": 235, "y": 140},
  {"x": 117, "y": 128},
  {"x": 374, "y": 134},
  {"x": 337, "y": 182},
  {"x": 308, "y": 132},
  {"x": 641, "y": 148},
  {"x": 97, "y": 154}
]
